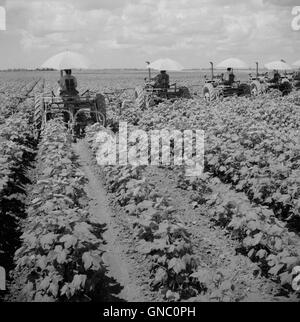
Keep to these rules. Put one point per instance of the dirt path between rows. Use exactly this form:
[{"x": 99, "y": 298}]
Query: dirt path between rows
[{"x": 121, "y": 266}]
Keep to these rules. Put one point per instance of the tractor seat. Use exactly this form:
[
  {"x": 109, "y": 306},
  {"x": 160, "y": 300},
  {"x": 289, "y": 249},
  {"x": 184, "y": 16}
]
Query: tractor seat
[
  {"x": 227, "y": 85},
  {"x": 70, "y": 98},
  {"x": 69, "y": 95}
]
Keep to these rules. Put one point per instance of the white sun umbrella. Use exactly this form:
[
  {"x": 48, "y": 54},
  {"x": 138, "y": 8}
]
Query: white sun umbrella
[
  {"x": 66, "y": 60},
  {"x": 166, "y": 64},
  {"x": 296, "y": 63},
  {"x": 278, "y": 65},
  {"x": 234, "y": 63}
]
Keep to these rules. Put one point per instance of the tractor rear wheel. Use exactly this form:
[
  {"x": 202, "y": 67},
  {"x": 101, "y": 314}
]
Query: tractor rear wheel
[
  {"x": 209, "y": 92},
  {"x": 297, "y": 85},
  {"x": 140, "y": 98},
  {"x": 245, "y": 89},
  {"x": 184, "y": 92},
  {"x": 101, "y": 107},
  {"x": 286, "y": 87}
]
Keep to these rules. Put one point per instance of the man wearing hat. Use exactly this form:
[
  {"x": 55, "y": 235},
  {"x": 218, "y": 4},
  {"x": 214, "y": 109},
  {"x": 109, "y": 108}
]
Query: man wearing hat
[
  {"x": 162, "y": 80},
  {"x": 68, "y": 83}
]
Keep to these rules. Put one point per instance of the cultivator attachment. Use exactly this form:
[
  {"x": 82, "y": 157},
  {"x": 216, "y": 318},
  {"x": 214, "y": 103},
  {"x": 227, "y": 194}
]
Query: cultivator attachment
[
  {"x": 77, "y": 112},
  {"x": 148, "y": 96},
  {"x": 214, "y": 90}
]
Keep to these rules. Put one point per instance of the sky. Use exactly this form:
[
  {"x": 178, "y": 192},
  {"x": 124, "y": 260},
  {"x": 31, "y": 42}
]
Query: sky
[{"x": 127, "y": 33}]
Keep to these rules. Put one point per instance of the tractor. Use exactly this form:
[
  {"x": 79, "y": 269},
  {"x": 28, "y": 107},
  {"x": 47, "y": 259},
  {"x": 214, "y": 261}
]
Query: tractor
[
  {"x": 262, "y": 83},
  {"x": 78, "y": 111},
  {"x": 216, "y": 88},
  {"x": 148, "y": 95}
]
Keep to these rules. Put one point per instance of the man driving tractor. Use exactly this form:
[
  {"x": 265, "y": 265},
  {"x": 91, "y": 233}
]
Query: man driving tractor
[
  {"x": 158, "y": 89},
  {"x": 276, "y": 77},
  {"x": 162, "y": 80},
  {"x": 68, "y": 84},
  {"x": 229, "y": 77},
  {"x": 68, "y": 91}
]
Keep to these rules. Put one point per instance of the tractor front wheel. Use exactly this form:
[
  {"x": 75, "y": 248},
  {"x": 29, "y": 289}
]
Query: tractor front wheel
[
  {"x": 140, "y": 98},
  {"x": 255, "y": 88}
]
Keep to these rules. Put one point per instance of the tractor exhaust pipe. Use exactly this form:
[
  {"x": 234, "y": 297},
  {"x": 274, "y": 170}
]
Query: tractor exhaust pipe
[
  {"x": 149, "y": 70},
  {"x": 212, "y": 70}
]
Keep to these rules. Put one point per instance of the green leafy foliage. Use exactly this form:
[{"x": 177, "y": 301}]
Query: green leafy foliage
[
  {"x": 161, "y": 236},
  {"x": 16, "y": 154},
  {"x": 263, "y": 237},
  {"x": 61, "y": 254},
  {"x": 252, "y": 156}
]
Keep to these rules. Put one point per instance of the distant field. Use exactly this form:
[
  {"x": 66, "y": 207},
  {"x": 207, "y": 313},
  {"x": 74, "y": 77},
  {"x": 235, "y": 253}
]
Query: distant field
[{"x": 116, "y": 79}]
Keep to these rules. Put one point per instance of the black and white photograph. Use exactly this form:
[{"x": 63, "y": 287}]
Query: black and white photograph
[{"x": 149, "y": 154}]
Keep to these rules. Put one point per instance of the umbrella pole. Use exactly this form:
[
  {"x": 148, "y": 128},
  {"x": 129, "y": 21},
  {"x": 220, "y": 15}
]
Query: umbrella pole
[
  {"x": 212, "y": 70},
  {"x": 149, "y": 71},
  {"x": 256, "y": 69}
]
